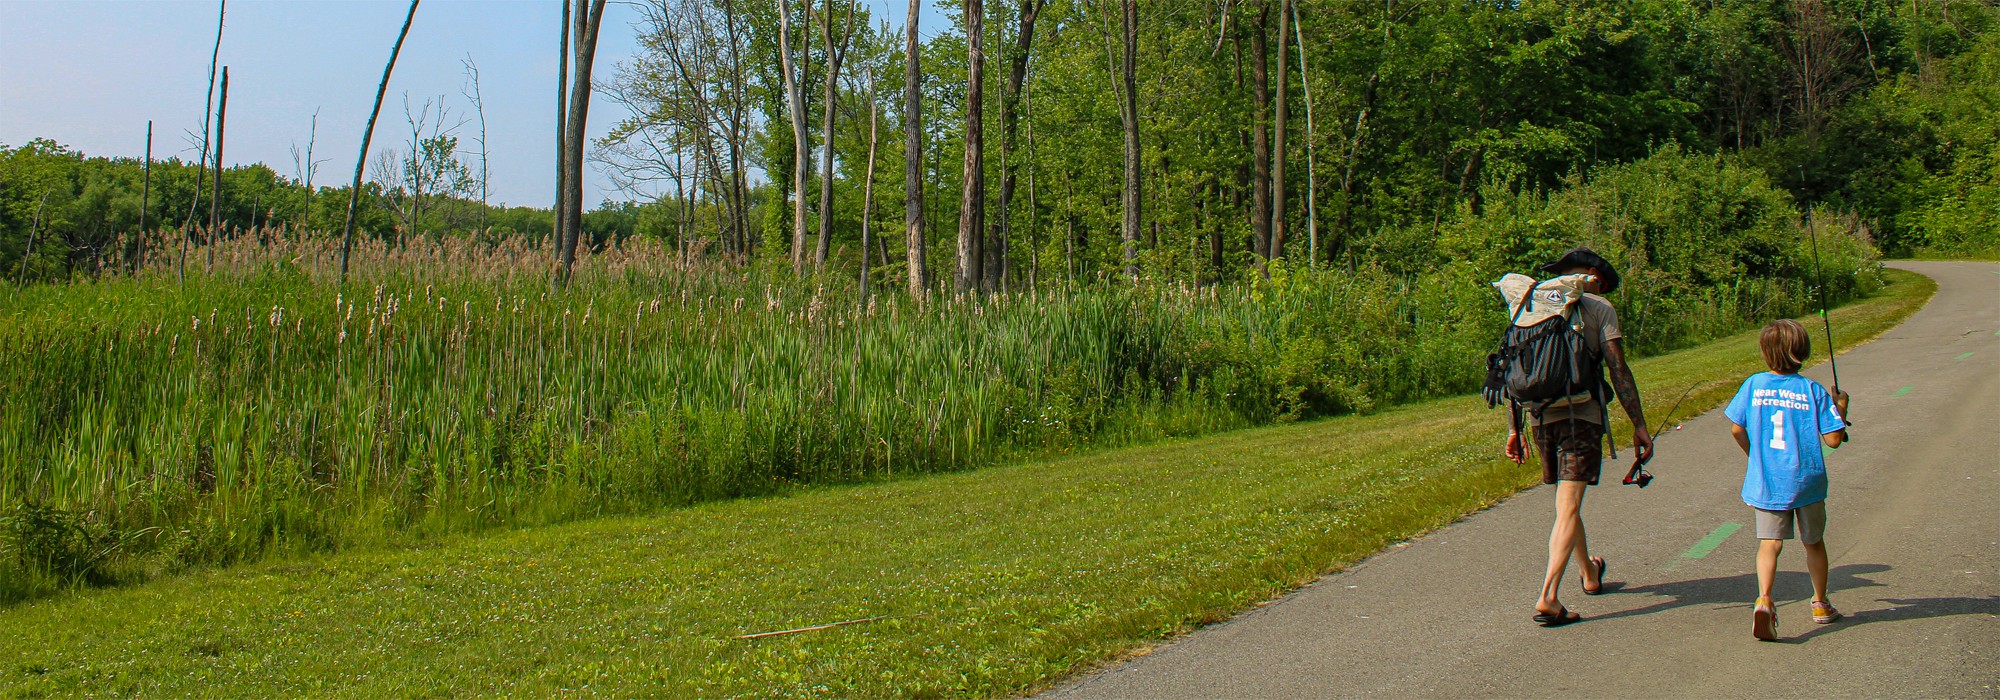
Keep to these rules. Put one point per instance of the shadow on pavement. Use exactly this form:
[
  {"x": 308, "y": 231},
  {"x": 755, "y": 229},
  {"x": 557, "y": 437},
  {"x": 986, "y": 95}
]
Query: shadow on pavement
[
  {"x": 1909, "y": 609},
  {"x": 1741, "y": 589}
]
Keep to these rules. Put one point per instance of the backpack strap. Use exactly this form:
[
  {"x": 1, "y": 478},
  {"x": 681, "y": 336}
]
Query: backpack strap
[{"x": 1604, "y": 410}]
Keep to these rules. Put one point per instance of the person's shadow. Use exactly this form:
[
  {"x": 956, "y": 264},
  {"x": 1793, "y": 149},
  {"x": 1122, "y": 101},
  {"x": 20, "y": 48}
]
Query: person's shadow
[
  {"x": 1908, "y": 609},
  {"x": 1735, "y": 591}
]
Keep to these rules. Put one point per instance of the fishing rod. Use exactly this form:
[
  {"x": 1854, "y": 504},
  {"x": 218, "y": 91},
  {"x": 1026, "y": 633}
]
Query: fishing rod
[
  {"x": 1639, "y": 477},
  {"x": 1812, "y": 229},
  {"x": 1819, "y": 280}
]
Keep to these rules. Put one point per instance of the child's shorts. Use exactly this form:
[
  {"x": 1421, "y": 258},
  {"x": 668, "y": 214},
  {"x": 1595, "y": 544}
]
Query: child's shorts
[{"x": 1777, "y": 524}]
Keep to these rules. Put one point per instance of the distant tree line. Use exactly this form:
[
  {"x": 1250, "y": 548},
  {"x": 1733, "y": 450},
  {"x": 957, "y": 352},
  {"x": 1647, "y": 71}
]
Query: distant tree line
[
  {"x": 81, "y": 211},
  {"x": 1204, "y": 139},
  {"x": 1194, "y": 140}
]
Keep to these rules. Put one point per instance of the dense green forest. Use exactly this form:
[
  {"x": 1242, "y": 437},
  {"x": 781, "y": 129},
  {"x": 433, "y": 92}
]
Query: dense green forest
[
  {"x": 1351, "y": 138},
  {"x": 1194, "y": 217}
]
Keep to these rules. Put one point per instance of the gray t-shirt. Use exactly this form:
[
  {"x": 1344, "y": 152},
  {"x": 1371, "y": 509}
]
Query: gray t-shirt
[{"x": 1600, "y": 326}]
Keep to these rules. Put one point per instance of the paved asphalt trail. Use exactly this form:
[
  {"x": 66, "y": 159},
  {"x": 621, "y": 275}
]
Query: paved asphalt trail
[{"x": 1914, "y": 527}]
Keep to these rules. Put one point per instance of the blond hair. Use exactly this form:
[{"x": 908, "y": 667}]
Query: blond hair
[{"x": 1786, "y": 345}]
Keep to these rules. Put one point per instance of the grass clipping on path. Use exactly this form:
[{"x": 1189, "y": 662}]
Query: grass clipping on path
[{"x": 991, "y": 582}]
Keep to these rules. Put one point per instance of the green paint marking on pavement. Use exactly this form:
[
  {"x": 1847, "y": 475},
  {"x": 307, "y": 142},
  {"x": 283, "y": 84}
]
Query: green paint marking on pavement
[
  {"x": 1824, "y": 450},
  {"x": 1713, "y": 540},
  {"x": 1902, "y": 391},
  {"x": 1961, "y": 357}
]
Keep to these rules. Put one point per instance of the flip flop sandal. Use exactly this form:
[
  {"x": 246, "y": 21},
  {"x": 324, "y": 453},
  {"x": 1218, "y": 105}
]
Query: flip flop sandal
[
  {"x": 1558, "y": 618},
  {"x": 1601, "y": 566}
]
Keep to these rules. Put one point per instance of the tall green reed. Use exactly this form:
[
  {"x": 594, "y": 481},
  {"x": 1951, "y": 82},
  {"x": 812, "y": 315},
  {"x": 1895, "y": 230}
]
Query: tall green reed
[{"x": 150, "y": 424}]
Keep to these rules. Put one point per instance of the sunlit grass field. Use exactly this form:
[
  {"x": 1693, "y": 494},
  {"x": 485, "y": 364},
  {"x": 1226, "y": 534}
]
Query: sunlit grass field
[
  {"x": 993, "y": 582},
  {"x": 154, "y": 424}
]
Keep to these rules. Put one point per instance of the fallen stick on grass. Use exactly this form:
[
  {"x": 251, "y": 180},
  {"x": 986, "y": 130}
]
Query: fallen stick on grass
[{"x": 830, "y": 625}]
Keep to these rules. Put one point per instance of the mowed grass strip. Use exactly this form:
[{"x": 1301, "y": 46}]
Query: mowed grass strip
[{"x": 1000, "y": 581}]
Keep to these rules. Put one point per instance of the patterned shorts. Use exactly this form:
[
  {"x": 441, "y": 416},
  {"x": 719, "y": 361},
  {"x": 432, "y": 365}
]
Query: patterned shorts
[{"x": 1571, "y": 450}]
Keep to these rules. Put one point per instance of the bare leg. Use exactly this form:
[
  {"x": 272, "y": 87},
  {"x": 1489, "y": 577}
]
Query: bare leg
[
  {"x": 1581, "y": 551},
  {"x": 1767, "y": 565},
  {"x": 1816, "y": 564},
  {"x": 1764, "y": 615},
  {"x": 1565, "y": 538}
]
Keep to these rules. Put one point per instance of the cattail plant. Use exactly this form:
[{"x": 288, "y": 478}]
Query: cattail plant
[{"x": 265, "y": 407}]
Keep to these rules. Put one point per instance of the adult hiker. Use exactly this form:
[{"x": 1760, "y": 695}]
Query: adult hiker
[{"x": 1569, "y": 430}]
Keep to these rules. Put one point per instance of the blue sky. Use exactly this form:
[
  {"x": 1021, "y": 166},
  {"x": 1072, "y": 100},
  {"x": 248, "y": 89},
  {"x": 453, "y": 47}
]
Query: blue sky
[{"x": 89, "y": 73}]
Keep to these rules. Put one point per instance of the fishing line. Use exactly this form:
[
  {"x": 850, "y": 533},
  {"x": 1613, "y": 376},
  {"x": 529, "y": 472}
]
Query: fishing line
[{"x": 1637, "y": 475}]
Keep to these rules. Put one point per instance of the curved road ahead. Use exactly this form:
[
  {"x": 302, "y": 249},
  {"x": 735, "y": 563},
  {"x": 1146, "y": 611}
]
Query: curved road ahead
[{"x": 1914, "y": 527}]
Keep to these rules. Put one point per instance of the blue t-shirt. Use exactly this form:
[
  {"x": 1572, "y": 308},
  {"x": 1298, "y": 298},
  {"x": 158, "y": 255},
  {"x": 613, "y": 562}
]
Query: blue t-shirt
[{"x": 1785, "y": 415}]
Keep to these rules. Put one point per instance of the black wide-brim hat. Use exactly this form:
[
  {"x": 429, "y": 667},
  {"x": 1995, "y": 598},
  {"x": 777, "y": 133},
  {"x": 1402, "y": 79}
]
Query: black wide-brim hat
[{"x": 1585, "y": 257}]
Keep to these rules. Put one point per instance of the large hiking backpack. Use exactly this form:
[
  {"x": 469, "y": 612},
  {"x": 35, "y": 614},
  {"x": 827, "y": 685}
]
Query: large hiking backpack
[{"x": 1543, "y": 357}]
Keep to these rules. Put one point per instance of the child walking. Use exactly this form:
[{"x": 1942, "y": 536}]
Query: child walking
[{"x": 1781, "y": 420}]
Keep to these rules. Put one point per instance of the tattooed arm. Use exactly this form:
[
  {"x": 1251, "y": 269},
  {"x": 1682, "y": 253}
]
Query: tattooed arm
[{"x": 1628, "y": 396}]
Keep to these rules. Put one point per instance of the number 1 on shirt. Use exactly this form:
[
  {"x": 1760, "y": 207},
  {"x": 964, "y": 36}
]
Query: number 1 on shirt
[{"x": 1778, "y": 430}]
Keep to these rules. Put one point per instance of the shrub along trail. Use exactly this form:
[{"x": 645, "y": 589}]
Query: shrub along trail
[{"x": 990, "y": 582}]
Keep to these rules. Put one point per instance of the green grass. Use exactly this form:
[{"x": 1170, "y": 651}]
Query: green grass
[
  {"x": 1002, "y": 580},
  {"x": 151, "y": 426}
]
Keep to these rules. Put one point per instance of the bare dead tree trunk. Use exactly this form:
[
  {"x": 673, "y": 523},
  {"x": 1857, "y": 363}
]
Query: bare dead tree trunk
[
  {"x": 201, "y": 167},
  {"x": 361, "y": 161},
  {"x": 868, "y": 183},
  {"x": 215, "y": 194},
  {"x": 1239, "y": 175},
  {"x": 972, "y": 201},
  {"x": 28, "y": 254},
  {"x": 1820, "y": 55},
  {"x": 795, "y": 107},
  {"x": 1260, "y": 149},
  {"x": 1024, "y": 37},
  {"x": 562, "y": 131},
  {"x": 834, "y": 56},
  {"x": 682, "y": 219},
  {"x": 304, "y": 167},
  {"x": 882, "y": 249},
  {"x": 1278, "y": 145},
  {"x": 1129, "y": 111},
  {"x": 1069, "y": 231},
  {"x": 138, "y": 255},
  {"x": 1312, "y": 146},
  {"x": 1347, "y": 181},
  {"x": 913, "y": 152},
  {"x": 585, "y": 49},
  {"x": 1034, "y": 231},
  {"x": 739, "y": 187},
  {"x": 685, "y": 42},
  {"x": 479, "y": 106}
]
